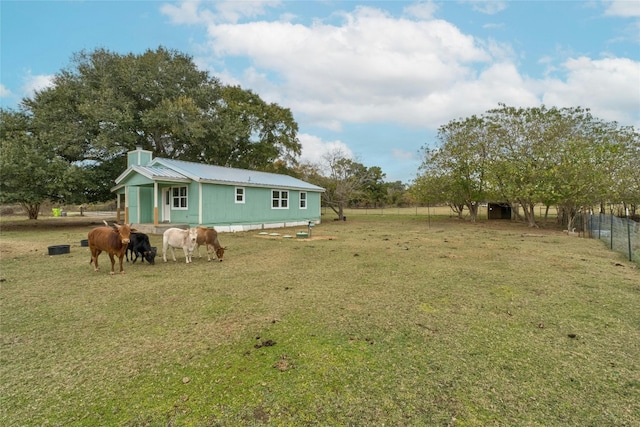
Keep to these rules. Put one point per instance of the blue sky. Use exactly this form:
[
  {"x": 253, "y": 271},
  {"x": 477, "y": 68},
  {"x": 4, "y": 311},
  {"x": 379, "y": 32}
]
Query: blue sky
[{"x": 374, "y": 79}]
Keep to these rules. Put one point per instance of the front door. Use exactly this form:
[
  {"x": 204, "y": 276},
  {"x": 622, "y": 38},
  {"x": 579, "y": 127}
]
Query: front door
[{"x": 166, "y": 205}]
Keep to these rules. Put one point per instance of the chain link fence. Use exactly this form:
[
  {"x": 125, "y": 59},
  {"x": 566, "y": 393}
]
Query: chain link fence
[{"x": 619, "y": 234}]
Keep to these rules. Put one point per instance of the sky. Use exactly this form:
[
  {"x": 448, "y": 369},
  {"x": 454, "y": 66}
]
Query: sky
[{"x": 373, "y": 79}]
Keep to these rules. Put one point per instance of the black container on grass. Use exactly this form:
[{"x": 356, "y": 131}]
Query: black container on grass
[{"x": 58, "y": 249}]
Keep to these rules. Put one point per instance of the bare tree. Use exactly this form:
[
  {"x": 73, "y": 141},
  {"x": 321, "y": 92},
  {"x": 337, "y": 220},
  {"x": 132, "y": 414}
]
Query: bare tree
[{"x": 343, "y": 179}]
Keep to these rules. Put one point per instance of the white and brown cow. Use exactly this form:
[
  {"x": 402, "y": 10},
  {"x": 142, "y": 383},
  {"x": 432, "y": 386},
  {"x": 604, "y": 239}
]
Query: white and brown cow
[
  {"x": 209, "y": 238},
  {"x": 179, "y": 238},
  {"x": 113, "y": 240}
]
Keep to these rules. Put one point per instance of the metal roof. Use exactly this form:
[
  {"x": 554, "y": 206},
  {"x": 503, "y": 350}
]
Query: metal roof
[
  {"x": 154, "y": 173},
  {"x": 158, "y": 172},
  {"x": 168, "y": 169}
]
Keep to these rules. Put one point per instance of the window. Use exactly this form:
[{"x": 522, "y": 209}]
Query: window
[
  {"x": 303, "y": 200},
  {"x": 279, "y": 199},
  {"x": 179, "y": 198},
  {"x": 239, "y": 195}
]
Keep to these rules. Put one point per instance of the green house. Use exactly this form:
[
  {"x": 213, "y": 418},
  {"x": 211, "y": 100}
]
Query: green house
[{"x": 158, "y": 192}]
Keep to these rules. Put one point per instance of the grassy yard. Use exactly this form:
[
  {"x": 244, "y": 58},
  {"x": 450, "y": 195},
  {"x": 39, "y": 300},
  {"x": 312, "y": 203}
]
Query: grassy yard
[{"x": 384, "y": 320}]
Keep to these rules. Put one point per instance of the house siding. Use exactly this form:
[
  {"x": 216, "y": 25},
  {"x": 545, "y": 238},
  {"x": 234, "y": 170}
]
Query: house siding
[
  {"x": 146, "y": 200},
  {"x": 219, "y": 206}
]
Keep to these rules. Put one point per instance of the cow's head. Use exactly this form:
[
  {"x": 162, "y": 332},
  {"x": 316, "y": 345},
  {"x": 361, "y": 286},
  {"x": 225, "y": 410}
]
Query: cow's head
[
  {"x": 150, "y": 256},
  {"x": 220, "y": 252},
  {"x": 124, "y": 232},
  {"x": 192, "y": 238}
]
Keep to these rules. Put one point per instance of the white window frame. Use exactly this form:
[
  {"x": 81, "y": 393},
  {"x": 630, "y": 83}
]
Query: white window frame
[
  {"x": 303, "y": 200},
  {"x": 179, "y": 198},
  {"x": 240, "y": 191},
  {"x": 279, "y": 199}
]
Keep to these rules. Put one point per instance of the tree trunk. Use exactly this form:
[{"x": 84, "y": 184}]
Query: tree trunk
[
  {"x": 458, "y": 209},
  {"x": 338, "y": 211},
  {"x": 473, "y": 211},
  {"x": 546, "y": 215},
  {"x": 529, "y": 214},
  {"x": 33, "y": 209}
]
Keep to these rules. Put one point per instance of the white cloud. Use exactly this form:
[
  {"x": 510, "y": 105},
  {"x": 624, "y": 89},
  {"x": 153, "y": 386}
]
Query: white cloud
[
  {"x": 191, "y": 12},
  {"x": 185, "y": 13},
  {"x": 366, "y": 66},
  {"x": 4, "y": 91},
  {"x": 372, "y": 67},
  {"x": 626, "y": 9},
  {"x": 33, "y": 83},
  {"x": 489, "y": 7},
  {"x": 623, "y": 8},
  {"x": 609, "y": 87},
  {"x": 422, "y": 10},
  {"x": 402, "y": 154},
  {"x": 314, "y": 148},
  {"x": 234, "y": 11}
]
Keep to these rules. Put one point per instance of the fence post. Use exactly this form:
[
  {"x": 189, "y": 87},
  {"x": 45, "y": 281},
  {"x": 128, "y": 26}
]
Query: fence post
[
  {"x": 629, "y": 234},
  {"x": 599, "y": 222},
  {"x": 611, "y": 230}
]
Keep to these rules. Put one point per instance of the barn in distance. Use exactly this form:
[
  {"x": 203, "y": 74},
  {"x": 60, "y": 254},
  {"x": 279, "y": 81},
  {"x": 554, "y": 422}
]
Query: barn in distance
[{"x": 155, "y": 193}]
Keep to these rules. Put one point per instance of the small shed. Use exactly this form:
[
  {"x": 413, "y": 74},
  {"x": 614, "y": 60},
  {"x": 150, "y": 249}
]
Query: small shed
[
  {"x": 159, "y": 192},
  {"x": 498, "y": 210}
]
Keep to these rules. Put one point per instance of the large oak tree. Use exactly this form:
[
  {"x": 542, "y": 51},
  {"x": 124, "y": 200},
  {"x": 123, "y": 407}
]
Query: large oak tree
[{"x": 105, "y": 104}]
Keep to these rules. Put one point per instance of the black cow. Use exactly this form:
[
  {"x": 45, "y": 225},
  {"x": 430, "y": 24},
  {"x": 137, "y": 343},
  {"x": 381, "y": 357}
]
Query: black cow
[{"x": 139, "y": 245}]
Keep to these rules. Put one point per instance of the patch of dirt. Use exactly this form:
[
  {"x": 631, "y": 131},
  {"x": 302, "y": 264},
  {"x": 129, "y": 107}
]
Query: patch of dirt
[{"x": 284, "y": 364}]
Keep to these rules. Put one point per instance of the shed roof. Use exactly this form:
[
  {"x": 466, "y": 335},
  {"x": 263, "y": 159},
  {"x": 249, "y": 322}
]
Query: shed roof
[{"x": 160, "y": 169}]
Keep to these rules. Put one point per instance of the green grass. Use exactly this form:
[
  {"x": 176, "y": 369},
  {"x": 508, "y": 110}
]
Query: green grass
[{"x": 393, "y": 321}]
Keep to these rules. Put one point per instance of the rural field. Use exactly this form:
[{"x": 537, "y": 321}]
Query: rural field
[{"x": 379, "y": 320}]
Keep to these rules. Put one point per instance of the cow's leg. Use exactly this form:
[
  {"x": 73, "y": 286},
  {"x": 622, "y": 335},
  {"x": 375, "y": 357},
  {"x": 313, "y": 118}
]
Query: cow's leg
[
  {"x": 164, "y": 251},
  {"x": 187, "y": 255},
  {"x": 113, "y": 263},
  {"x": 173, "y": 253},
  {"x": 94, "y": 257},
  {"x": 121, "y": 269},
  {"x": 209, "y": 248}
]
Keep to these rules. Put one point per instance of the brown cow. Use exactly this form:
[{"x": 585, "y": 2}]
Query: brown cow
[
  {"x": 209, "y": 236},
  {"x": 113, "y": 240}
]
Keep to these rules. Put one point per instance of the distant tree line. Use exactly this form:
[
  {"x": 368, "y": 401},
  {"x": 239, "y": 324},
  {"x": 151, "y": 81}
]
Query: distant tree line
[{"x": 561, "y": 157}]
